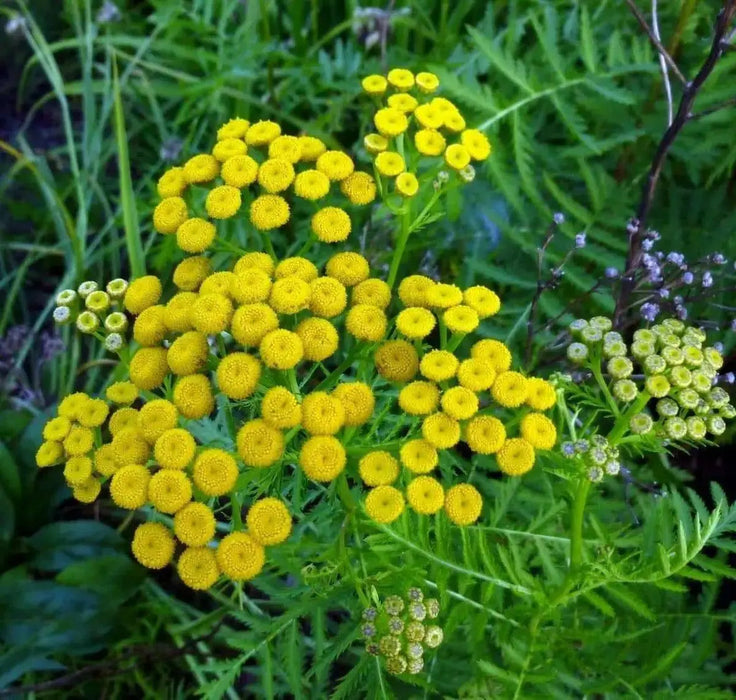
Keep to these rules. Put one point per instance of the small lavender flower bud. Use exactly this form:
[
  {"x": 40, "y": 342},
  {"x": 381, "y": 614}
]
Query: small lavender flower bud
[
  {"x": 718, "y": 259},
  {"x": 567, "y": 449},
  {"x": 649, "y": 311},
  {"x": 66, "y": 297},
  {"x": 620, "y": 367},
  {"x": 716, "y": 425},
  {"x": 611, "y": 273},
  {"x": 675, "y": 428},
  {"x": 632, "y": 226},
  {"x": 433, "y": 636},
  {"x": 647, "y": 244},
  {"x": 559, "y": 218},
  {"x": 625, "y": 390},
  {"x": 577, "y": 353},
  {"x": 86, "y": 288},
  {"x": 396, "y": 665},
  {"x": 368, "y": 630},
  {"x": 728, "y": 378},
  {"x": 707, "y": 279},
  {"x": 657, "y": 385},
  {"x": 414, "y": 631},
  {"x": 640, "y": 424},
  {"x": 733, "y": 324},
  {"x": 681, "y": 312},
  {"x": 667, "y": 408},
  {"x": 595, "y": 474},
  {"x": 663, "y": 293},
  {"x": 62, "y": 315},
  {"x": 580, "y": 240},
  {"x": 696, "y": 428},
  {"x": 680, "y": 377},
  {"x": 675, "y": 258},
  {"x": 687, "y": 277}
]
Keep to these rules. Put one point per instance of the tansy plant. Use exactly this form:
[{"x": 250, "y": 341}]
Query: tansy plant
[{"x": 259, "y": 383}]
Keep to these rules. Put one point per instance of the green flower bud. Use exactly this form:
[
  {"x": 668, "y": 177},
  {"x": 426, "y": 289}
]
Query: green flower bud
[
  {"x": 702, "y": 409},
  {"x": 640, "y": 424},
  {"x": 709, "y": 370},
  {"x": 693, "y": 356},
  {"x": 591, "y": 335},
  {"x": 673, "y": 356},
  {"x": 114, "y": 342},
  {"x": 714, "y": 357},
  {"x": 717, "y": 397},
  {"x": 612, "y": 467},
  {"x": 389, "y": 645},
  {"x": 595, "y": 474},
  {"x": 625, "y": 390},
  {"x": 601, "y": 323},
  {"x": 616, "y": 348},
  {"x": 728, "y": 412},
  {"x": 66, "y": 297},
  {"x": 680, "y": 376},
  {"x": 701, "y": 381},
  {"x": 674, "y": 325},
  {"x": 582, "y": 446},
  {"x": 87, "y": 322},
  {"x": 598, "y": 456},
  {"x": 116, "y": 288},
  {"x": 415, "y": 595},
  {"x": 716, "y": 425},
  {"x": 654, "y": 364},
  {"x": 620, "y": 367},
  {"x": 116, "y": 322},
  {"x": 667, "y": 408},
  {"x": 577, "y": 353},
  {"x": 368, "y": 630},
  {"x": 86, "y": 288},
  {"x": 612, "y": 337},
  {"x": 417, "y": 611},
  {"x": 393, "y": 605},
  {"x": 62, "y": 315},
  {"x": 670, "y": 340},
  {"x": 675, "y": 428},
  {"x": 433, "y": 607},
  {"x": 657, "y": 385},
  {"x": 396, "y": 665},
  {"x": 433, "y": 636},
  {"x": 395, "y": 625},
  {"x": 467, "y": 174},
  {"x": 577, "y": 326},
  {"x": 99, "y": 302},
  {"x": 415, "y": 666},
  {"x": 688, "y": 398},
  {"x": 641, "y": 349},
  {"x": 414, "y": 650},
  {"x": 372, "y": 649},
  {"x": 696, "y": 428},
  {"x": 645, "y": 336},
  {"x": 598, "y": 440},
  {"x": 370, "y": 614},
  {"x": 691, "y": 341}
]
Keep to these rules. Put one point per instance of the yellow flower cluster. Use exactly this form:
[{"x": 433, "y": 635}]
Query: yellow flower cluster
[
  {"x": 414, "y": 126},
  {"x": 270, "y": 171}
]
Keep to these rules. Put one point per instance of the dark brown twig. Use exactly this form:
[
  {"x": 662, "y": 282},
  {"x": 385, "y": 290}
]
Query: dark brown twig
[{"x": 637, "y": 228}]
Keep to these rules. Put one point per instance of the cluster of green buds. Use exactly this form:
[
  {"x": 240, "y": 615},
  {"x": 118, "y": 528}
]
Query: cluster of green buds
[
  {"x": 596, "y": 457},
  {"x": 669, "y": 363},
  {"x": 400, "y": 631},
  {"x": 95, "y": 311}
]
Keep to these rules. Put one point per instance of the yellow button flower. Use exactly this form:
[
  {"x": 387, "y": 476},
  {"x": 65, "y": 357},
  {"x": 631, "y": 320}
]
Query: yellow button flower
[
  {"x": 218, "y": 283},
  {"x": 172, "y": 183},
  {"x": 443, "y": 296},
  {"x": 384, "y": 504},
  {"x": 510, "y": 389},
  {"x": 49, "y": 453},
  {"x": 252, "y": 322},
  {"x": 153, "y": 545},
  {"x": 195, "y": 235},
  {"x": 427, "y": 82},
  {"x": 197, "y": 568},
  {"x": 463, "y": 504},
  {"x": 484, "y": 301},
  {"x": 407, "y": 184},
  {"x": 123, "y": 419},
  {"x": 262, "y": 133},
  {"x": 88, "y": 491},
  {"x": 240, "y": 556},
  {"x": 373, "y": 292},
  {"x": 322, "y": 457},
  {"x": 104, "y": 459},
  {"x": 215, "y": 472},
  {"x": 296, "y": 267},
  {"x": 328, "y": 297},
  {"x": 374, "y": 84},
  {"x": 359, "y": 188},
  {"x": 542, "y": 394},
  {"x": 56, "y": 429},
  {"x": 194, "y": 525},
  {"x": 461, "y": 319},
  {"x": 457, "y": 156},
  {"x": 130, "y": 447},
  {"x": 235, "y": 128},
  {"x": 238, "y": 375},
  {"x": 475, "y": 374},
  {"x": 174, "y": 449},
  {"x": 429, "y": 142},
  {"x": 403, "y": 102},
  {"x": 286, "y": 147},
  {"x": 155, "y": 418},
  {"x": 397, "y": 361},
  {"x": 312, "y": 148},
  {"x": 229, "y": 148},
  {"x": 280, "y": 408},
  {"x": 79, "y": 441},
  {"x": 191, "y": 272},
  {"x": 419, "y": 398},
  {"x": 122, "y": 393},
  {"x": 93, "y": 413},
  {"x": 516, "y": 457},
  {"x": 169, "y": 214},
  {"x": 259, "y": 444},
  {"x": 494, "y": 352},
  {"x": 539, "y": 431},
  {"x": 413, "y": 290},
  {"x": 211, "y": 313},
  {"x": 336, "y": 165},
  {"x": 401, "y": 79},
  {"x": 129, "y": 486},
  {"x": 322, "y": 414},
  {"x": 142, "y": 293},
  {"x": 201, "y": 168},
  {"x": 77, "y": 470},
  {"x": 223, "y": 202},
  {"x": 239, "y": 171},
  {"x": 281, "y": 349},
  {"x": 367, "y": 323},
  {"x": 169, "y": 491},
  {"x": 72, "y": 405},
  {"x": 438, "y": 365},
  {"x": 425, "y": 495},
  {"x": 378, "y": 468},
  {"x": 319, "y": 338},
  {"x": 290, "y": 295},
  {"x": 331, "y": 225},
  {"x": 375, "y": 143},
  {"x": 193, "y": 396},
  {"x": 269, "y": 521},
  {"x": 476, "y": 143},
  {"x": 269, "y": 211},
  {"x": 459, "y": 403},
  {"x": 390, "y": 163},
  {"x": 188, "y": 353},
  {"x": 275, "y": 175},
  {"x": 441, "y": 430},
  {"x": 419, "y": 456},
  {"x": 357, "y": 400},
  {"x": 390, "y": 122},
  {"x": 250, "y": 286},
  {"x": 485, "y": 435},
  {"x": 312, "y": 185},
  {"x": 260, "y": 261},
  {"x": 429, "y": 116},
  {"x": 348, "y": 268},
  {"x": 150, "y": 328}
]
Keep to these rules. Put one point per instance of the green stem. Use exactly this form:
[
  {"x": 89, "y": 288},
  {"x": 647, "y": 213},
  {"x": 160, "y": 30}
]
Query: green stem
[
  {"x": 576, "y": 525},
  {"x": 622, "y": 424},
  {"x": 595, "y": 368},
  {"x": 268, "y": 245},
  {"x": 399, "y": 250}
]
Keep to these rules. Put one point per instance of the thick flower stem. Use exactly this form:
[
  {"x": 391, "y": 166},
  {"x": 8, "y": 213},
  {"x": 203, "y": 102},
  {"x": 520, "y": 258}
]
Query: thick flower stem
[
  {"x": 401, "y": 242},
  {"x": 576, "y": 525}
]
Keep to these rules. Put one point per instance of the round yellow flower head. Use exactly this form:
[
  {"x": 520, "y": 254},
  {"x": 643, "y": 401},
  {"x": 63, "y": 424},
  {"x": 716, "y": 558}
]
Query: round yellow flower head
[
  {"x": 88, "y": 491},
  {"x": 79, "y": 441},
  {"x": 56, "y": 429},
  {"x": 269, "y": 521},
  {"x": 494, "y": 352},
  {"x": 390, "y": 122},
  {"x": 130, "y": 447},
  {"x": 539, "y": 431},
  {"x": 390, "y": 164},
  {"x": 312, "y": 185},
  {"x": 259, "y": 261},
  {"x": 296, "y": 267},
  {"x": 403, "y": 102},
  {"x": 331, "y": 225},
  {"x": 407, "y": 184},
  {"x": 290, "y": 295},
  {"x": 218, "y": 283},
  {"x": 427, "y": 82},
  {"x": 235, "y": 128},
  {"x": 174, "y": 449},
  {"x": 240, "y": 556},
  {"x": 194, "y": 524},
  {"x": 378, "y": 468},
  {"x": 122, "y": 393},
  {"x": 312, "y": 148},
  {"x": 129, "y": 486},
  {"x": 476, "y": 375},
  {"x": 357, "y": 400},
  {"x": 229, "y": 148},
  {"x": 439, "y": 365},
  {"x": 286, "y": 147},
  {"x": 319, "y": 338},
  {"x": 516, "y": 457},
  {"x": 476, "y": 143},
  {"x": 238, "y": 375},
  {"x": 443, "y": 296},
  {"x": 419, "y": 398},
  {"x": 215, "y": 472},
  {"x": 250, "y": 286},
  {"x": 195, "y": 235},
  {"x": 463, "y": 504},
  {"x": 123, "y": 419},
  {"x": 211, "y": 313},
  {"x": 49, "y": 453},
  {"x": 281, "y": 349},
  {"x": 430, "y": 142},
  {"x": 401, "y": 79},
  {"x": 397, "y": 361},
  {"x": 419, "y": 456},
  {"x": 328, "y": 297},
  {"x": 169, "y": 214},
  {"x": 142, "y": 293},
  {"x": 191, "y": 272},
  {"x": 461, "y": 319},
  {"x": 384, "y": 504},
  {"x": 510, "y": 389},
  {"x": 322, "y": 457},
  {"x": 425, "y": 495},
  {"x": 172, "y": 183},
  {"x": 262, "y": 133},
  {"x": 77, "y": 470},
  {"x": 193, "y": 396},
  {"x": 375, "y": 143},
  {"x": 149, "y": 328},
  {"x": 197, "y": 568},
  {"x": 336, "y": 165},
  {"x": 373, "y": 292},
  {"x": 188, "y": 353},
  {"x": 374, "y": 84},
  {"x": 269, "y": 211},
  {"x": 104, "y": 458},
  {"x": 239, "y": 171},
  {"x": 280, "y": 408},
  {"x": 485, "y": 434},
  {"x": 415, "y": 322},
  {"x": 201, "y": 168},
  {"x": 441, "y": 430},
  {"x": 153, "y": 545},
  {"x": 93, "y": 413},
  {"x": 348, "y": 268},
  {"x": 359, "y": 188},
  {"x": 155, "y": 418},
  {"x": 322, "y": 414},
  {"x": 169, "y": 491},
  {"x": 259, "y": 444},
  {"x": 276, "y": 174},
  {"x": 457, "y": 156},
  {"x": 429, "y": 116},
  {"x": 252, "y": 322},
  {"x": 484, "y": 301},
  {"x": 367, "y": 323},
  {"x": 413, "y": 290},
  {"x": 542, "y": 394},
  {"x": 459, "y": 403}
]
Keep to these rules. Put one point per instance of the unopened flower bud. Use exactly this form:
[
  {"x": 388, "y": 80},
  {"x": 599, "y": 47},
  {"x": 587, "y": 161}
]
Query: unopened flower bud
[
  {"x": 620, "y": 367},
  {"x": 580, "y": 240},
  {"x": 393, "y": 605},
  {"x": 114, "y": 342},
  {"x": 116, "y": 322},
  {"x": 98, "y": 302},
  {"x": 688, "y": 398},
  {"x": 433, "y": 636},
  {"x": 443, "y": 176},
  {"x": 417, "y": 611},
  {"x": 654, "y": 364},
  {"x": 116, "y": 288},
  {"x": 680, "y": 377},
  {"x": 673, "y": 356},
  {"x": 389, "y": 645},
  {"x": 616, "y": 348},
  {"x": 716, "y": 425},
  {"x": 625, "y": 390},
  {"x": 667, "y": 408},
  {"x": 415, "y": 666},
  {"x": 577, "y": 326},
  {"x": 595, "y": 474},
  {"x": 62, "y": 315},
  {"x": 641, "y": 349},
  {"x": 717, "y": 397},
  {"x": 657, "y": 385},
  {"x": 396, "y": 665},
  {"x": 692, "y": 356},
  {"x": 612, "y": 467},
  {"x": 675, "y": 428},
  {"x": 640, "y": 424},
  {"x": 467, "y": 174},
  {"x": 577, "y": 353},
  {"x": 696, "y": 428},
  {"x": 433, "y": 607},
  {"x": 558, "y": 217},
  {"x": 86, "y": 288},
  {"x": 87, "y": 322},
  {"x": 66, "y": 297},
  {"x": 414, "y": 631},
  {"x": 591, "y": 335}
]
